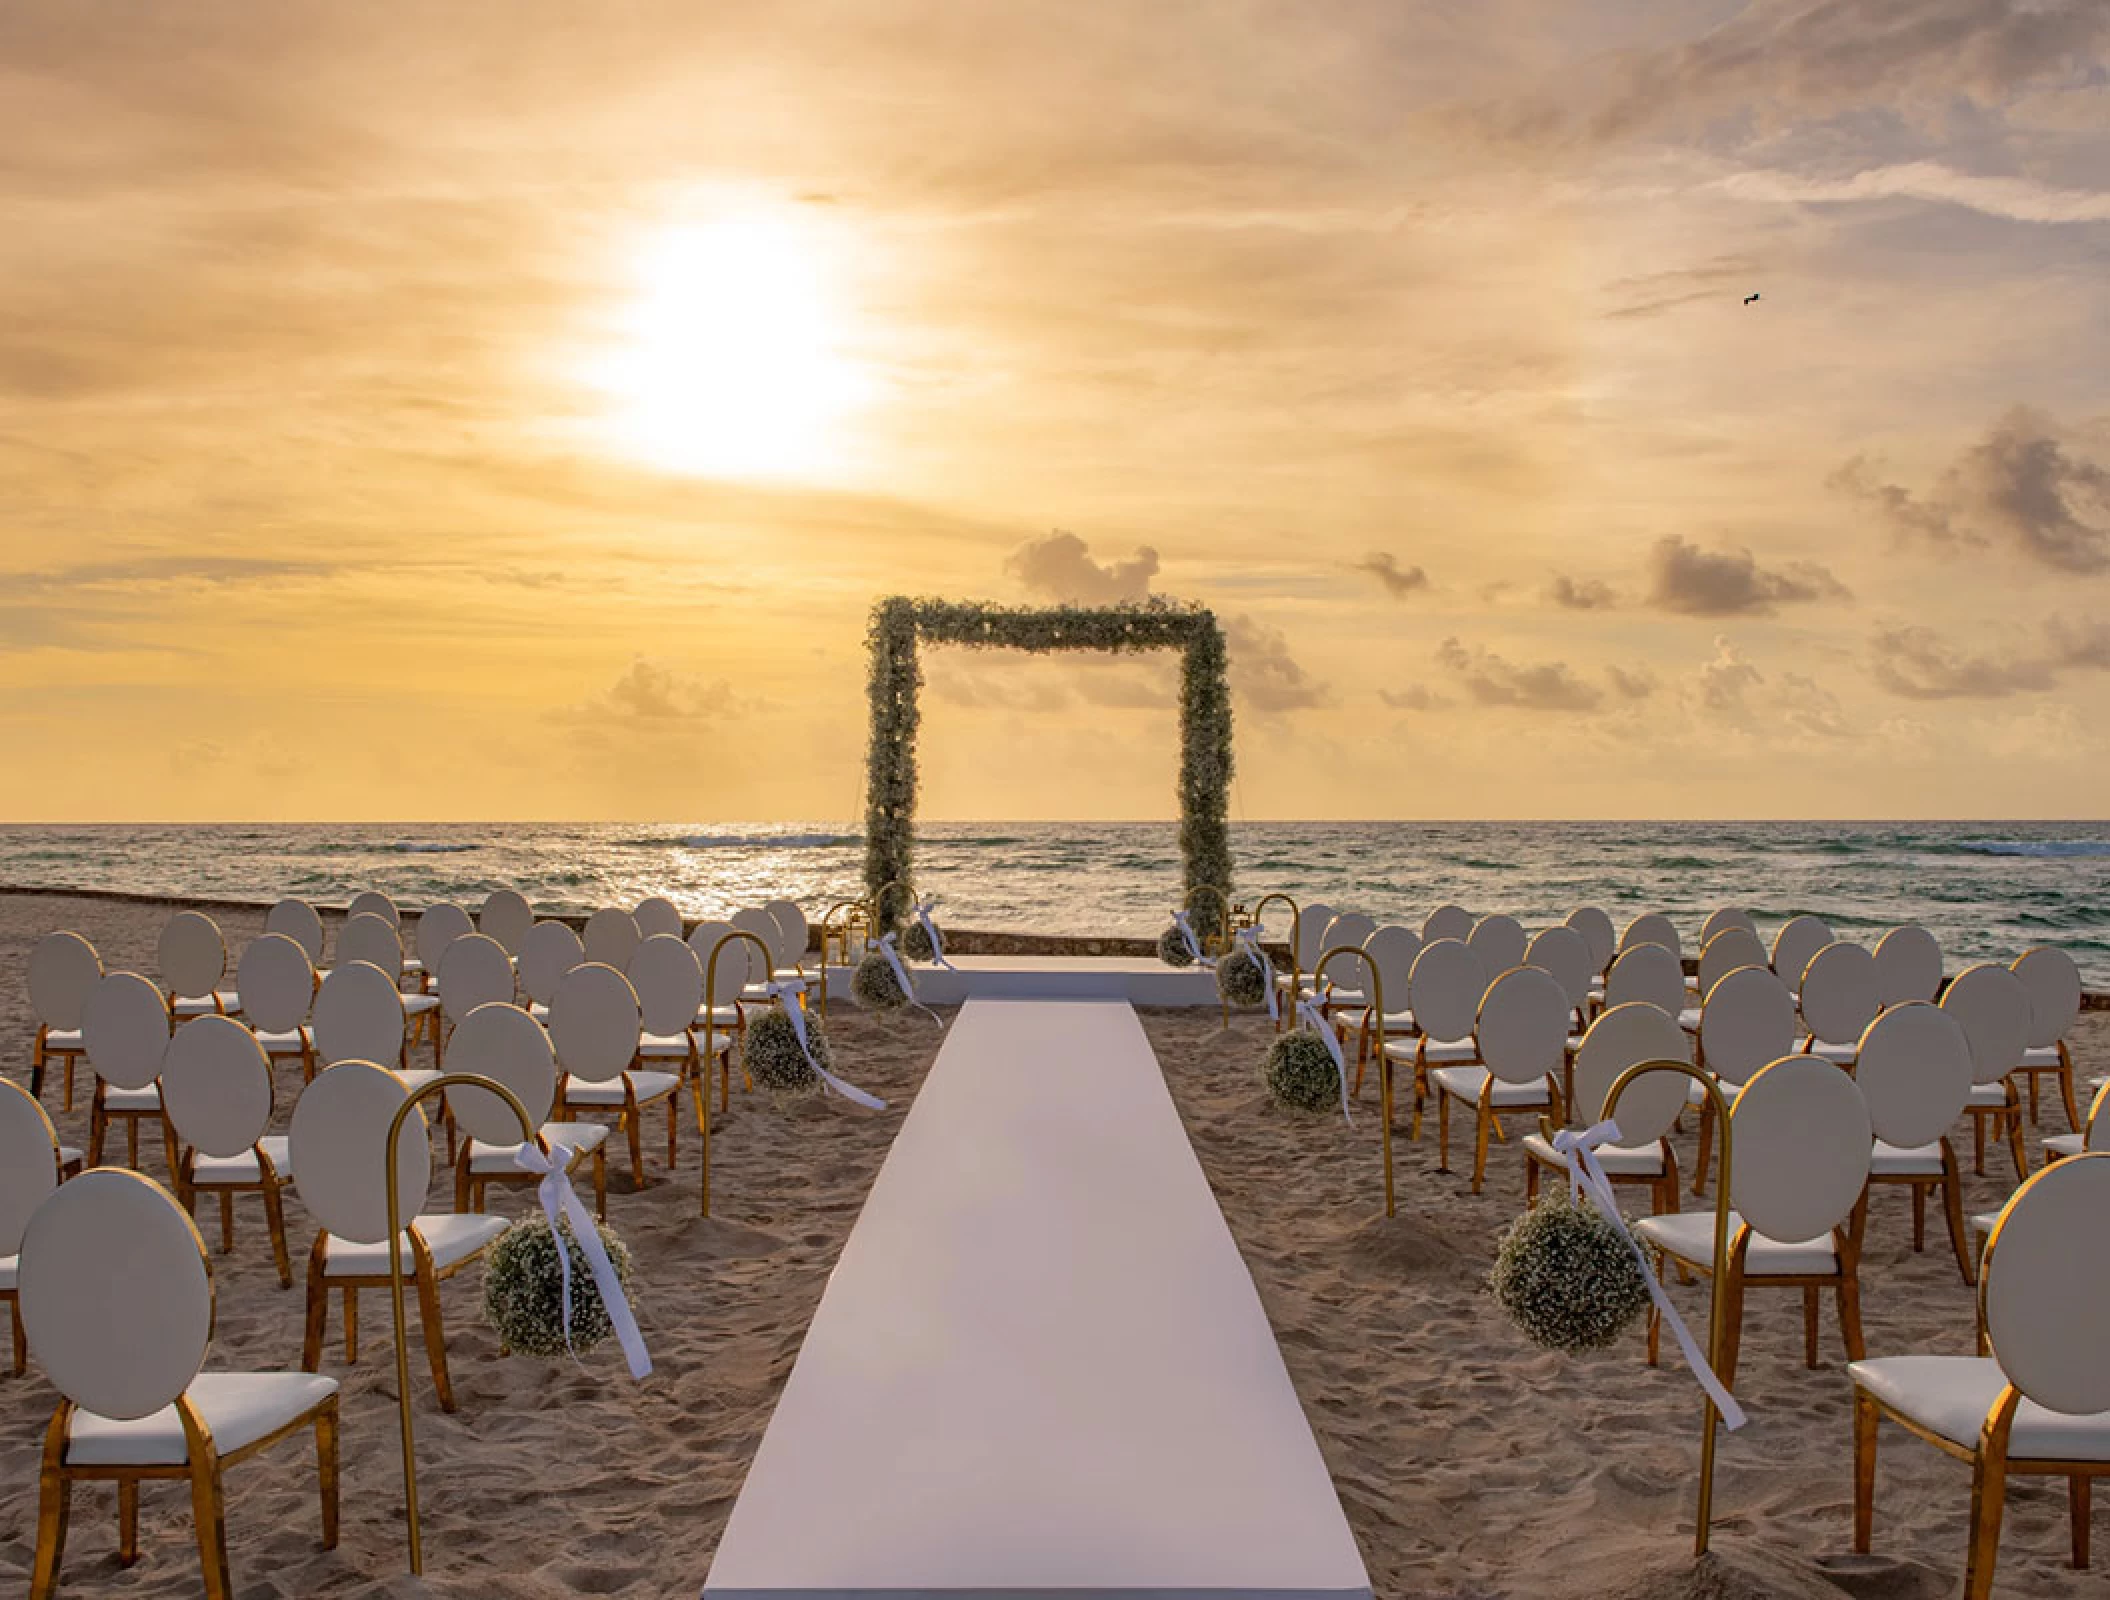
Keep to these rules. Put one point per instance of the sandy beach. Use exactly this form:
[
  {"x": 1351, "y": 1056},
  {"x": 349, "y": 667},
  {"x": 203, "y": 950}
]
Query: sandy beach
[{"x": 1470, "y": 1463}]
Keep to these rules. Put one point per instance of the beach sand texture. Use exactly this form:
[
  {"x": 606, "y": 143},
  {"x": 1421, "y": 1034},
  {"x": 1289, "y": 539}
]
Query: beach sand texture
[{"x": 1470, "y": 1463}]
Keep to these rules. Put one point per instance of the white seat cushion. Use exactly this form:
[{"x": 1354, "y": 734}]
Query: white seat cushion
[
  {"x": 1432, "y": 1051},
  {"x": 237, "y": 1408},
  {"x": 1618, "y": 1160},
  {"x": 291, "y": 1043},
  {"x": 721, "y": 1017},
  {"x": 538, "y": 1011},
  {"x": 203, "y": 1006},
  {"x": 8, "y": 1265},
  {"x": 417, "y": 1005},
  {"x": 147, "y": 1099},
  {"x": 659, "y": 1046},
  {"x": 2046, "y": 1055},
  {"x": 1689, "y": 1019},
  {"x": 216, "y": 1171},
  {"x": 1983, "y": 1221},
  {"x": 1988, "y": 1094},
  {"x": 2064, "y": 1144},
  {"x": 450, "y": 1236},
  {"x": 1890, "y": 1161},
  {"x": 583, "y": 1137},
  {"x": 1844, "y": 1055},
  {"x": 1689, "y": 1236},
  {"x": 417, "y": 1078},
  {"x": 1465, "y": 1083},
  {"x": 1696, "y": 1092},
  {"x": 1950, "y": 1396},
  {"x": 63, "y": 1039},
  {"x": 69, "y": 1156},
  {"x": 647, "y": 1086}
]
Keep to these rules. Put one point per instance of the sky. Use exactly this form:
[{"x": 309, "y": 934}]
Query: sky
[{"x": 514, "y": 410}]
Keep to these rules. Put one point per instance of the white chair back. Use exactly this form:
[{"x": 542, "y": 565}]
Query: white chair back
[
  {"x": 125, "y": 1027},
  {"x": 1648, "y": 973},
  {"x": 2095, "y": 1134},
  {"x": 2054, "y": 986},
  {"x": 1799, "y": 939},
  {"x": 1596, "y": 928},
  {"x": 2047, "y": 1287},
  {"x": 1727, "y": 917},
  {"x": 438, "y": 927},
  {"x": 1908, "y": 966},
  {"x": 1748, "y": 1020},
  {"x": 338, "y": 1141},
  {"x": 1522, "y": 1028},
  {"x": 1349, "y": 928},
  {"x": 358, "y": 1016},
  {"x": 1391, "y": 951},
  {"x": 216, "y": 1086},
  {"x": 668, "y": 982},
  {"x": 791, "y": 923},
  {"x": 116, "y": 1295},
  {"x": 1624, "y": 1037},
  {"x": 548, "y": 950},
  {"x": 738, "y": 965},
  {"x": 656, "y": 915},
  {"x": 610, "y": 937},
  {"x": 373, "y": 903},
  {"x": 277, "y": 982},
  {"x": 1445, "y": 989},
  {"x": 503, "y": 1043},
  {"x": 373, "y": 939},
  {"x": 594, "y": 1023},
  {"x": 1498, "y": 940},
  {"x": 1652, "y": 927},
  {"x": 754, "y": 920},
  {"x": 1725, "y": 952},
  {"x": 1563, "y": 952},
  {"x": 62, "y": 969},
  {"x": 192, "y": 955},
  {"x": 1310, "y": 932},
  {"x": 506, "y": 916},
  {"x": 1803, "y": 1143},
  {"x": 1447, "y": 922},
  {"x": 476, "y": 971},
  {"x": 1993, "y": 1007},
  {"x": 301, "y": 923},
  {"x": 1839, "y": 994},
  {"x": 29, "y": 1161},
  {"x": 1914, "y": 1068}
]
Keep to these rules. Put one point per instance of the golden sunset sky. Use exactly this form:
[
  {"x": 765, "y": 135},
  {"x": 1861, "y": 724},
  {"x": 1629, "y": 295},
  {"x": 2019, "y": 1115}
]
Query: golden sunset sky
[{"x": 513, "y": 410}]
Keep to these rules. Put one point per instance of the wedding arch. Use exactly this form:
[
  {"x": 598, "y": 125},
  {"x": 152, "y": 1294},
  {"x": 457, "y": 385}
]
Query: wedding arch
[{"x": 898, "y": 623}]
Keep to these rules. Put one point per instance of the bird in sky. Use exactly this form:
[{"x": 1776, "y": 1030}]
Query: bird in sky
[{"x": 1749, "y": 298}]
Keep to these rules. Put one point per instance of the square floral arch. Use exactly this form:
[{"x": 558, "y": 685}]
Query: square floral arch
[{"x": 1205, "y": 715}]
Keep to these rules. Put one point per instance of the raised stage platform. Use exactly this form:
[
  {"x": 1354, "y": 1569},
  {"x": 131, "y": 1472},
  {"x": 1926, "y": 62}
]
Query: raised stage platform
[{"x": 1138, "y": 980}]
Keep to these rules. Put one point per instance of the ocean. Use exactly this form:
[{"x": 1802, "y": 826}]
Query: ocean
[{"x": 1986, "y": 889}]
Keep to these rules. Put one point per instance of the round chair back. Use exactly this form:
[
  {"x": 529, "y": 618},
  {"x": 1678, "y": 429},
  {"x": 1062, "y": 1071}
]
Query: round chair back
[
  {"x": 1348, "y": 927},
  {"x": 611, "y": 936},
  {"x": 656, "y": 915},
  {"x": 2054, "y": 985},
  {"x": 1566, "y": 954},
  {"x": 1724, "y": 919},
  {"x": 738, "y": 965},
  {"x": 358, "y": 1015},
  {"x": 548, "y": 950},
  {"x": 668, "y": 982},
  {"x": 125, "y": 1026},
  {"x": 1523, "y": 1025},
  {"x": 1914, "y": 1068},
  {"x": 1799, "y": 939},
  {"x": 594, "y": 1023},
  {"x": 29, "y": 1161},
  {"x": 438, "y": 927},
  {"x": 754, "y": 920},
  {"x": 1839, "y": 995},
  {"x": 277, "y": 981},
  {"x": 1597, "y": 931},
  {"x": 1803, "y": 1142},
  {"x": 476, "y": 971},
  {"x": 2047, "y": 1287},
  {"x": 791, "y": 922},
  {"x": 1993, "y": 1007},
  {"x": 1445, "y": 988},
  {"x": 62, "y": 969},
  {"x": 1623, "y": 1037},
  {"x": 1498, "y": 940},
  {"x": 373, "y": 939},
  {"x": 1391, "y": 951},
  {"x": 1447, "y": 922},
  {"x": 506, "y": 916},
  {"x": 1651, "y": 927},
  {"x": 1649, "y": 973},
  {"x": 1725, "y": 952},
  {"x": 1908, "y": 966},
  {"x": 373, "y": 903},
  {"x": 1310, "y": 933},
  {"x": 216, "y": 1086},
  {"x": 1748, "y": 1020},
  {"x": 2096, "y": 1134},
  {"x": 339, "y": 1138},
  {"x": 505, "y": 1044},
  {"x": 192, "y": 956},
  {"x": 116, "y": 1296},
  {"x": 301, "y": 923}
]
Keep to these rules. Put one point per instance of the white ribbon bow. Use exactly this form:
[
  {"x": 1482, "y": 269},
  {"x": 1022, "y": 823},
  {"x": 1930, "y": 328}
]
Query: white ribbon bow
[
  {"x": 1586, "y": 1175},
  {"x": 1250, "y": 938},
  {"x": 559, "y": 1198},
  {"x": 1309, "y": 1015},
  {"x": 930, "y": 931},
  {"x": 885, "y": 946},
  {"x": 1179, "y": 920},
  {"x": 791, "y": 994}
]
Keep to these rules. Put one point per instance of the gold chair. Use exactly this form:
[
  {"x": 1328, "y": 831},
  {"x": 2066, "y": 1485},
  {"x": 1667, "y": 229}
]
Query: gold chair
[
  {"x": 1914, "y": 1069},
  {"x": 62, "y": 969},
  {"x": 216, "y": 1083},
  {"x": 31, "y": 1166},
  {"x": 1519, "y": 1036},
  {"x": 503, "y": 1043},
  {"x": 125, "y": 1025},
  {"x": 1623, "y": 1037}
]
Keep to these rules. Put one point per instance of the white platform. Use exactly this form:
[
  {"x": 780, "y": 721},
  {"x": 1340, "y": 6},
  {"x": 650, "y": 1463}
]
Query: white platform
[
  {"x": 1040, "y": 1364},
  {"x": 1135, "y": 979}
]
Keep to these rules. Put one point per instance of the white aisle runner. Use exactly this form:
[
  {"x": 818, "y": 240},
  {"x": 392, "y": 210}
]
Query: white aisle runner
[{"x": 1041, "y": 1363}]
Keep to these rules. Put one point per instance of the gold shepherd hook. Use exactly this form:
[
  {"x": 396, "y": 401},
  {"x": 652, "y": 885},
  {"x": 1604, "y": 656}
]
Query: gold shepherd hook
[
  {"x": 395, "y": 1275},
  {"x": 852, "y": 913},
  {"x": 1296, "y": 924},
  {"x": 710, "y": 1052},
  {"x": 1223, "y": 913},
  {"x": 1376, "y": 984},
  {"x": 1720, "y": 1107},
  {"x": 876, "y": 904}
]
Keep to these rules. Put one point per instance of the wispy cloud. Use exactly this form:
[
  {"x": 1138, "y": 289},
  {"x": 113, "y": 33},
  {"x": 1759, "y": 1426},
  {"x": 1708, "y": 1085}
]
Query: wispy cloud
[{"x": 2016, "y": 199}]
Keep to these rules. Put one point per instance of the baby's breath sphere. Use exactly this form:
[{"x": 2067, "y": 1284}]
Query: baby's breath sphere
[
  {"x": 875, "y": 984},
  {"x": 1567, "y": 1276},
  {"x": 1172, "y": 948},
  {"x": 773, "y": 1058},
  {"x": 1300, "y": 1072},
  {"x": 915, "y": 942},
  {"x": 524, "y": 1289},
  {"x": 1241, "y": 979}
]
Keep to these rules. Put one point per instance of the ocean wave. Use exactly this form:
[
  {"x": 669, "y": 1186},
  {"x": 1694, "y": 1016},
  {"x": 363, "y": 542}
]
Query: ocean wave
[
  {"x": 2052, "y": 848},
  {"x": 732, "y": 841},
  {"x": 1681, "y": 863},
  {"x": 420, "y": 847}
]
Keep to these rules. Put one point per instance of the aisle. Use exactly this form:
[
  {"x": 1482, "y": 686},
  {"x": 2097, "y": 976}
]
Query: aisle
[{"x": 1040, "y": 1363}]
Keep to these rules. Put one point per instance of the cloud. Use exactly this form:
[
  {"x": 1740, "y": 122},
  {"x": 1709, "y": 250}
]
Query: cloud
[
  {"x": 2019, "y": 488},
  {"x": 1919, "y": 664},
  {"x": 1581, "y": 594},
  {"x": 1723, "y": 682},
  {"x": 1416, "y": 697},
  {"x": 2014, "y": 199},
  {"x": 1651, "y": 294},
  {"x": 1264, "y": 674},
  {"x": 1724, "y": 692},
  {"x": 1060, "y": 566},
  {"x": 1491, "y": 680},
  {"x": 649, "y": 697},
  {"x": 1729, "y": 583},
  {"x": 1399, "y": 582},
  {"x": 1631, "y": 685}
]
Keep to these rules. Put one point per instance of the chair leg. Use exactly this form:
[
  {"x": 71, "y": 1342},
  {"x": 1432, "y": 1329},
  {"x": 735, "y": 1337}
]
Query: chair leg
[
  {"x": 226, "y": 1222},
  {"x": 1919, "y": 1217},
  {"x": 2073, "y": 1110},
  {"x": 275, "y": 1220},
  {"x": 168, "y": 1149},
  {"x": 209, "y": 1506},
  {"x": 637, "y": 1147},
  {"x": 1988, "y": 1503},
  {"x": 1952, "y": 1209},
  {"x": 1480, "y": 1132},
  {"x": 1443, "y": 1133},
  {"x": 673, "y": 1127},
  {"x": 1978, "y": 1144},
  {"x": 2014, "y": 1147},
  {"x": 54, "y": 1506},
  {"x": 1850, "y": 1316},
  {"x": 98, "y": 1125},
  {"x": 2032, "y": 1098},
  {"x": 435, "y": 1334},
  {"x": 14, "y": 1315},
  {"x": 318, "y": 1310},
  {"x": 1867, "y": 1418},
  {"x": 1531, "y": 1183},
  {"x": 600, "y": 1182},
  {"x": 36, "y": 1066},
  {"x": 132, "y": 1143},
  {"x": 326, "y": 1469},
  {"x": 127, "y": 1521},
  {"x": 1809, "y": 1326},
  {"x": 351, "y": 1325},
  {"x": 1699, "y": 1164}
]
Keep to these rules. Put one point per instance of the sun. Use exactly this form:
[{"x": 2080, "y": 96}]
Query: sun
[{"x": 729, "y": 355}]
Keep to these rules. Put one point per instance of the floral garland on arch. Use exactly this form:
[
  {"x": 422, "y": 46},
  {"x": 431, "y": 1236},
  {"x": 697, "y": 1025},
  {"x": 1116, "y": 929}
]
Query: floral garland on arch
[{"x": 896, "y": 676}]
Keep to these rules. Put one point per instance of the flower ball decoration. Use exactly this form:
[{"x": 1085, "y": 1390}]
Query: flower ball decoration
[
  {"x": 915, "y": 941},
  {"x": 1172, "y": 948},
  {"x": 1241, "y": 979},
  {"x": 524, "y": 1289},
  {"x": 876, "y": 985},
  {"x": 773, "y": 1059},
  {"x": 1568, "y": 1276},
  {"x": 1300, "y": 1072}
]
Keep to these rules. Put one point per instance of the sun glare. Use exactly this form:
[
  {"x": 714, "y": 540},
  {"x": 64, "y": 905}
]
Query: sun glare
[{"x": 729, "y": 357}]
